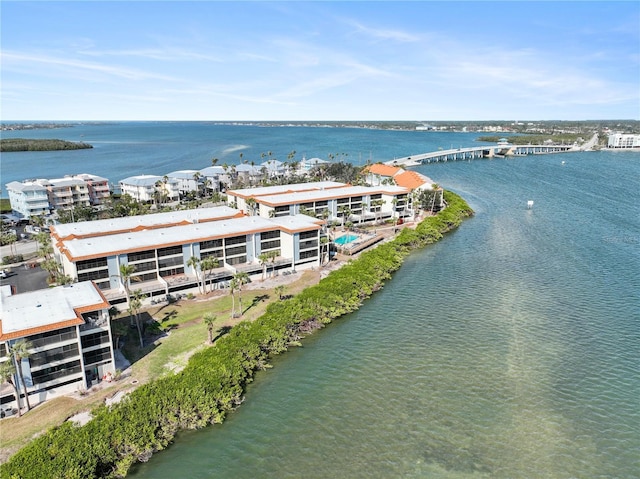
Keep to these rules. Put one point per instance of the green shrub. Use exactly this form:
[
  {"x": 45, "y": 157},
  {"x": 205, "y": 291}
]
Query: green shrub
[{"x": 214, "y": 380}]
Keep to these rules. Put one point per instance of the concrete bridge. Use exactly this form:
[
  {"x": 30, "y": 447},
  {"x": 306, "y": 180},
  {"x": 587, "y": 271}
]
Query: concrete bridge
[{"x": 487, "y": 151}]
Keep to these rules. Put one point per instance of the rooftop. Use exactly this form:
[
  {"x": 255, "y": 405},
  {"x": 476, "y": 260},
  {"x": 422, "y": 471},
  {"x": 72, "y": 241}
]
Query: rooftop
[
  {"x": 282, "y": 189},
  {"x": 383, "y": 170},
  {"x": 143, "y": 180},
  {"x": 132, "y": 223},
  {"x": 47, "y": 309},
  {"x": 101, "y": 246},
  {"x": 413, "y": 180},
  {"x": 316, "y": 195}
]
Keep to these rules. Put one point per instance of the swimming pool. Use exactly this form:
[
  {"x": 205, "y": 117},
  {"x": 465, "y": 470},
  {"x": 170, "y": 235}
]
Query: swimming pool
[{"x": 344, "y": 239}]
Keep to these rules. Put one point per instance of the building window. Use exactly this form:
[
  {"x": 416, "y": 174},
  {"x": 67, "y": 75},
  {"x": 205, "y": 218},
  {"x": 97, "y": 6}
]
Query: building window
[
  {"x": 215, "y": 254},
  {"x": 171, "y": 272},
  {"x": 147, "y": 277},
  {"x": 270, "y": 235},
  {"x": 148, "y": 266},
  {"x": 236, "y": 250},
  {"x": 312, "y": 253},
  {"x": 91, "y": 263},
  {"x": 51, "y": 337},
  {"x": 53, "y": 355},
  {"x": 141, "y": 255},
  {"x": 97, "y": 356},
  {"x": 170, "y": 251},
  {"x": 235, "y": 240},
  {"x": 55, "y": 372},
  {"x": 265, "y": 245},
  {"x": 313, "y": 243},
  {"x": 168, "y": 262},
  {"x": 308, "y": 234},
  {"x": 282, "y": 211},
  {"x": 93, "y": 275},
  {"x": 209, "y": 244},
  {"x": 94, "y": 339},
  {"x": 237, "y": 260}
]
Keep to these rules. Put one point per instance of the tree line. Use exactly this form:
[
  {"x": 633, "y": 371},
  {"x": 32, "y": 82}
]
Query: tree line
[
  {"x": 24, "y": 144},
  {"x": 214, "y": 381}
]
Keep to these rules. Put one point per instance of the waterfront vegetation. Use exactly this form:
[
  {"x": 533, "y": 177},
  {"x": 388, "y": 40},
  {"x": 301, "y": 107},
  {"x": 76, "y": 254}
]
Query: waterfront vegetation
[
  {"x": 214, "y": 380},
  {"x": 536, "y": 139},
  {"x": 24, "y": 144}
]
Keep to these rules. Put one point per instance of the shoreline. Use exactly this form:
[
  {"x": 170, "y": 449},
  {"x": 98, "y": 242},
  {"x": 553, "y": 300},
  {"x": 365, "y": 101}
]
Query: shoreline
[{"x": 216, "y": 377}]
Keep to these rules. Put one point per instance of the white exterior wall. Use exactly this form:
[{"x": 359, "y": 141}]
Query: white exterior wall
[
  {"x": 28, "y": 199},
  {"x": 138, "y": 192},
  {"x": 620, "y": 140},
  {"x": 52, "y": 352}
]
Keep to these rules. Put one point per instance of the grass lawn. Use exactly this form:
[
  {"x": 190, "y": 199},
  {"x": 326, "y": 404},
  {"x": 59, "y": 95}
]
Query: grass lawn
[{"x": 180, "y": 332}]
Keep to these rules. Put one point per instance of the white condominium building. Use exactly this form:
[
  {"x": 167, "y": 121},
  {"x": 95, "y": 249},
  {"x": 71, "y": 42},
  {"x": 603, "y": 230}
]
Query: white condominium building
[
  {"x": 328, "y": 200},
  {"x": 148, "y": 188},
  {"x": 623, "y": 140},
  {"x": 160, "y": 248},
  {"x": 68, "y": 330},
  {"x": 28, "y": 199},
  {"x": 98, "y": 187},
  {"x": 66, "y": 193}
]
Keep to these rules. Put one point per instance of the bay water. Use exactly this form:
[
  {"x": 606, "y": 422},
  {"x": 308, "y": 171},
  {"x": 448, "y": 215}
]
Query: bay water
[{"x": 510, "y": 349}]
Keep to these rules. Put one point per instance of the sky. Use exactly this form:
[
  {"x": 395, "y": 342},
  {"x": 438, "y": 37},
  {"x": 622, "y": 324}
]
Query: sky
[{"x": 326, "y": 60}]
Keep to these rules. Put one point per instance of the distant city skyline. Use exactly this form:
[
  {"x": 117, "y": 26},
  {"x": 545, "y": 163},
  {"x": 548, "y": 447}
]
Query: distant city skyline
[{"x": 344, "y": 61}]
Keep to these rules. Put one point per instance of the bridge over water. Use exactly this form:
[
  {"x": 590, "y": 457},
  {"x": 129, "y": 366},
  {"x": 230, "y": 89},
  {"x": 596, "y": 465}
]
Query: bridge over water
[{"x": 486, "y": 151}]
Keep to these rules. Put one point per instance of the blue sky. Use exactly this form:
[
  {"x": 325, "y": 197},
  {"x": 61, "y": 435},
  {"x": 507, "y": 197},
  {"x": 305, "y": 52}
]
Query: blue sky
[{"x": 367, "y": 60}]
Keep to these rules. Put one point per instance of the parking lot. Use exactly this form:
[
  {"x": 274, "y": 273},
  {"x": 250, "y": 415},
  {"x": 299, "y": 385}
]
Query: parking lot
[{"x": 27, "y": 275}]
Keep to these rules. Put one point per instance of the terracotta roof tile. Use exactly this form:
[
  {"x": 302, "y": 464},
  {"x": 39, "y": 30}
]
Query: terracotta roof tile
[
  {"x": 410, "y": 179},
  {"x": 384, "y": 170}
]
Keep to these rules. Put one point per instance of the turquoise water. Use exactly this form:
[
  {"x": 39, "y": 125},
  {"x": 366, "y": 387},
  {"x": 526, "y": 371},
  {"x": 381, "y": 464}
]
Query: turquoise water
[
  {"x": 344, "y": 239},
  {"x": 510, "y": 349}
]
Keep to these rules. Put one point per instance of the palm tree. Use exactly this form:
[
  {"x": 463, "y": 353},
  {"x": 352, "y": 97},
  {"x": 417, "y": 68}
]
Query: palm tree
[
  {"x": 207, "y": 265},
  {"x": 10, "y": 239},
  {"x": 194, "y": 263},
  {"x": 435, "y": 188},
  {"x": 19, "y": 351},
  {"x": 51, "y": 266},
  {"x": 134, "y": 307},
  {"x": 214, "y": 161},
  {"x": 7, "y": 372},
  {"x": 346, "y": 213},
  {"x": 239, "y": 279},
  {"x": 394, "y": 202},
  {"x": 324, "y": 244},
  {"x": 251, "y": 205},
  {"x": 209, "y": 320},
  {"x": 264, "y": 258},
  {"x": 126, "y": 272},
  {"x": 44, "y": 241},
  {"x": 272, "y": 256},
  {"x": 197, "y": 176},
  {"x": 280, "y": 290}
]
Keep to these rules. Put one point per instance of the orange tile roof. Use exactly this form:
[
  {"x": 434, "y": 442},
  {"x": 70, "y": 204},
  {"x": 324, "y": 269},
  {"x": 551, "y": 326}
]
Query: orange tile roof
[
  {"x": 410, "y": 179},
  {"x": 384, "y": 170}
]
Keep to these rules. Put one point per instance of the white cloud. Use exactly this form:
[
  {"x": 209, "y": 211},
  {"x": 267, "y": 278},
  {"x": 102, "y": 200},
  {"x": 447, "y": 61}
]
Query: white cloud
[{"x": 71, "y": 66}]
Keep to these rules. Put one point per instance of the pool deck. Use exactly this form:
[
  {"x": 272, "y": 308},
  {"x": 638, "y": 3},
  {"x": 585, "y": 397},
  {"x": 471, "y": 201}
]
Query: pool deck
[{"x": 362, "y": 242}]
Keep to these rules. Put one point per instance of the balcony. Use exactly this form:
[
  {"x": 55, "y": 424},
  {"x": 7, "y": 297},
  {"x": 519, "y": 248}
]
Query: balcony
[{"x": 94, "y": 321}]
